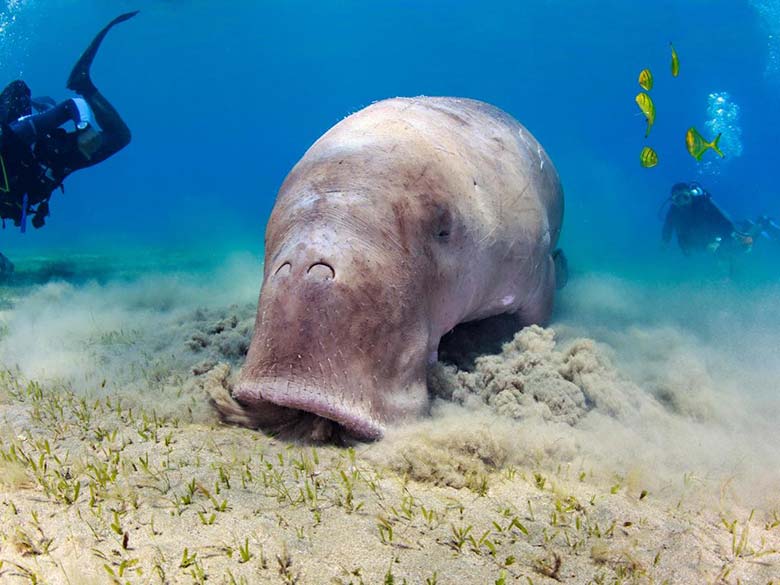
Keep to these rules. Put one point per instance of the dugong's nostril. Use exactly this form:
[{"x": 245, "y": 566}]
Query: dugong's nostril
[
  {"x": 283, "y": 270},
  {"x": 321, "y": 271}
]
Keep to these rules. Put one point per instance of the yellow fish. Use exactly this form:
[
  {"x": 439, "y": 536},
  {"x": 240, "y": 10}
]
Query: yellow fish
[
  {"x": 675, "y": 62},
  {"x": 648, "y": 157},
  {"x": 648, "y": 109},
  {"x": 646, "y": 79},
  {"x": 697, "y": 146}
]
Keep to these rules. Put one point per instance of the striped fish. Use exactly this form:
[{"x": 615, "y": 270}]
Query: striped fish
[
  {"x": 648, "y": 109},
  {"x": 646, "y": 79},
  {"x": 648, "y": 158},
  {"x": 675, "y": 62}
]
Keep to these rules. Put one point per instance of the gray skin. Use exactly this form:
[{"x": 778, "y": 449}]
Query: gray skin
[{"x": 405, "y": 219}]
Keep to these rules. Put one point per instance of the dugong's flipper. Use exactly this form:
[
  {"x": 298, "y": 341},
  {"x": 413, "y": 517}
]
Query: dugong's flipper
[
  {"x": 561, "y": 268},
  {"x": 79, "y": 80}
]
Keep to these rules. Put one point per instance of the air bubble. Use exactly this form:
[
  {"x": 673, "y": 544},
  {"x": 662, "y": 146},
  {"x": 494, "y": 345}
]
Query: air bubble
[{"x": 722, "y": 118}]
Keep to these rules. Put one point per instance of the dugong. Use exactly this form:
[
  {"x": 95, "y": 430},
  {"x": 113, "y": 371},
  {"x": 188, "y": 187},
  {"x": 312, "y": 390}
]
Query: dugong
[{"x": 403, "y": 220}]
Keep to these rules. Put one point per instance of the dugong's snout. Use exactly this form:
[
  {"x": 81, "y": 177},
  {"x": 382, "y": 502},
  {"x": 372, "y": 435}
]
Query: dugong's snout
[
  {"x": 306, "y": 409},
  {"x": 319, "y": 269},
  {"x": 332, "y": 349}
]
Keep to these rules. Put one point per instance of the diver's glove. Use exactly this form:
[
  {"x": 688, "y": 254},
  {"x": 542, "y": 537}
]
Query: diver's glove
[
  {"x": 714, "y": 244},
  {"x": 744, "y": 240}
]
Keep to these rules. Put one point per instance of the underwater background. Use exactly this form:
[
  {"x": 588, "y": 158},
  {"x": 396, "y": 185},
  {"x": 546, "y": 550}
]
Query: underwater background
[
  {"x": 223, "y": 99},
  {"x": 632, "y": 439}
]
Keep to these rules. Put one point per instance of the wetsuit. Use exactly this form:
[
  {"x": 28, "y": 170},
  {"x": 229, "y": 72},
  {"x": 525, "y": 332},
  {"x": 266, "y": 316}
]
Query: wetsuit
[
  {"x": 38, "y": 153},
  {"x": 698, "y": 224}
]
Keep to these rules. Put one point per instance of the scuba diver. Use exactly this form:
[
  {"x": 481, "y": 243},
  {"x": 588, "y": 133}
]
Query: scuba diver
[
  {"x": 700, "y": 225},
  {"x": 37, "y": 153}
]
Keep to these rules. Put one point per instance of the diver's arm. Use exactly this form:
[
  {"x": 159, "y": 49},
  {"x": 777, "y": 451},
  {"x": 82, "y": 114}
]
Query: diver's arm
[{"x": 30, "y": 128}]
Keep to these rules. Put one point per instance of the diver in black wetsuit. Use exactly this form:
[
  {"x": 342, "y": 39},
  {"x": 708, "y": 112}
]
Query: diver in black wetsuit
[
  {"x": 701, "y": 226},
  {"x": 698, "y": 222},
  {"x": 36, "y": 153}
]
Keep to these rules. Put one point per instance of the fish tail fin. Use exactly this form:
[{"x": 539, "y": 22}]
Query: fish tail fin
[{"x": 714, "y": 145}]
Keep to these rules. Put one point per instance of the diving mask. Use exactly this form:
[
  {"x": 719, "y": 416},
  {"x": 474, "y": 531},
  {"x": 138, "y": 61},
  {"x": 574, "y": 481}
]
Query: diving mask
[{"x": 682, "y": 198}]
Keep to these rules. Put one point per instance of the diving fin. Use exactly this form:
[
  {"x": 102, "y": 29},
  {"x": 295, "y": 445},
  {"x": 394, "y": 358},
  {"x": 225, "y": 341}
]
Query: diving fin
[
  {"x": 79, "y": 80},
  {"x": 561, "y": 268}
]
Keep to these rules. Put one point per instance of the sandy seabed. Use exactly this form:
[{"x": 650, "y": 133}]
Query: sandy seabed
[{"x": 633, "y": 441}]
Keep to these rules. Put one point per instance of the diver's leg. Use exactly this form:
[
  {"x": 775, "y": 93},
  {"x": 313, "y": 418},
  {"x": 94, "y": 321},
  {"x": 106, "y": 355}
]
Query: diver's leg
[
  {"x": 115, "y": 134},
  {"x": 79, "y": 79},
  {"x": 773, "y": 229}
]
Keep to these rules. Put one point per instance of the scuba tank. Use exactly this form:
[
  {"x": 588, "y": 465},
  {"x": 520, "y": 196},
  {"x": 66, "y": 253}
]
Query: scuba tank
[{"x": 24, "y": 181}]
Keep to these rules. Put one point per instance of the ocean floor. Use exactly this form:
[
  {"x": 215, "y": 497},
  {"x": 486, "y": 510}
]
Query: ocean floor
[{"x": 635, "y": 440}]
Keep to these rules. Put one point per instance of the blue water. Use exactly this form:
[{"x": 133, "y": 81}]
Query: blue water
[{"x": 223, "y": 98}]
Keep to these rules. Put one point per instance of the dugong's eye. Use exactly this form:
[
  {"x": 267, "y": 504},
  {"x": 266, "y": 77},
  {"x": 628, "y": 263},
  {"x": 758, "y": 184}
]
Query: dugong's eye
[{"x": 443, "y": 224}]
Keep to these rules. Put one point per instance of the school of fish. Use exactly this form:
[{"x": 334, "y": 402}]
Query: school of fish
[{"x": 695, "y": 143}]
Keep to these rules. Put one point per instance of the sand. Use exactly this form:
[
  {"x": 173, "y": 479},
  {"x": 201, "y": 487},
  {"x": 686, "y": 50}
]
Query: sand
[{"x": 633, "y": 441}]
